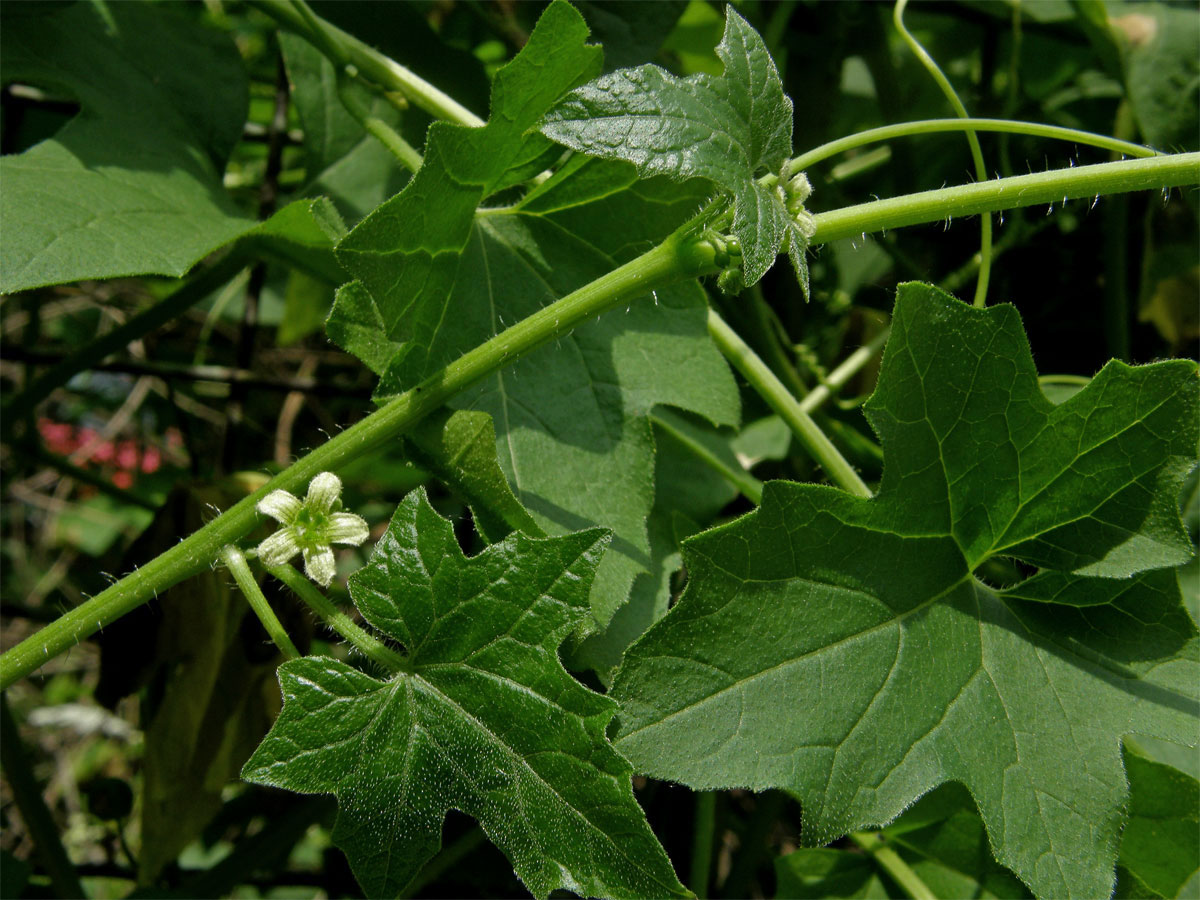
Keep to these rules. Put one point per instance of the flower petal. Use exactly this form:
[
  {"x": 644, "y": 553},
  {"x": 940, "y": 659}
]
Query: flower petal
[
  {"x": 278, "y": 548},
  {"x": 319, "y": 564},
  {"x": 280, "y": 506},
  {"x": 323, "y": 492},
  {"x": 346, "y": 528}
]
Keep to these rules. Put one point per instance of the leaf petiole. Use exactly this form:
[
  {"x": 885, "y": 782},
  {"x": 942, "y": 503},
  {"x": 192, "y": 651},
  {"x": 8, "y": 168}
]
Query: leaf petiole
[
  {"x": 382, "y": 70},
  {"x": 985, "y": 221},
  {"x": 375, "y": 126},
  {"x": 235, "y": 561},
  {"x": 703, "y": 829},
  {"x": 891, "y": 862},
  {"x": 749, "y": 486},
  {"x": 835, "y": 380},
  {"x": 370, "y": 647},
  {"x": 768, "y": 385}
]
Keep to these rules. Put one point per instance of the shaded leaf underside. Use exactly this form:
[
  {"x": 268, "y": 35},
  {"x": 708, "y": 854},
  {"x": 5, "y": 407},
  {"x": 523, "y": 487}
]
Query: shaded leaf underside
[
  {"x": 437, "y": 279},
  {"x": 132, "y": 184}
]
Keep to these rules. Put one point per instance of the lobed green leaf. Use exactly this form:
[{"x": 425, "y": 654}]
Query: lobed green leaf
[
  {"x": 726, "y": 129},
  {"x": 844, "y": 649},
  {"x": 484, "y": 720}
]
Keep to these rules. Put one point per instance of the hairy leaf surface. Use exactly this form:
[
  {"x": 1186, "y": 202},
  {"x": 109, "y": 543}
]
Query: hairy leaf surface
[
  {"x": 486, "y": 720},
  {"x": 726, "y": 129},
  {"x": 436, "y": 279},
  {"x": 843, "y": 648},
  {"x": 132, "y": 184}
]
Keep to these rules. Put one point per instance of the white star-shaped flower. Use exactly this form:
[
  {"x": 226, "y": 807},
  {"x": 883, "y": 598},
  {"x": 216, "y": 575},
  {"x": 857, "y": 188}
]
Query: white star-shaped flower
[{"x": 310, "y": 527}]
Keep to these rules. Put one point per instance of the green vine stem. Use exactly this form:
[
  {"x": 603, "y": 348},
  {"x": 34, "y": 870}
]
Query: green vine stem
[
  {"x": 235, "y": 561},
  {"x": 768, "y": 385},
  {"x": 890, "y": 861},
  {"x": 373, "y": 65},
  {"x": 370, "y": 647},
  {"x": 375, "y": 126},
  {"x": 703, "y": 827},
  {"x": 937, "y": 126},
  {"x": 680, "y": 256},
  {"x": 1054, "y": 186},
  {"x": 447, "y": 859},
  {"x": 931, "y": 66},
  {"x": 745, "y": 483}
]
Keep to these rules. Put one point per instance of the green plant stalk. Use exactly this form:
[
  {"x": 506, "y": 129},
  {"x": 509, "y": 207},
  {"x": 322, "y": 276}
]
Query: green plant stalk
[
  {"x": 322, "y": 39},
  {"x": 849, "y": 367},
  {"x": 235, "y": 561},
  {"x": 985, "y": 222},
  {"x": 680, "y": 256},
  {"x": 935, "y": 126},
  {"x": 675, "y": 258},
  {"x": 746, "y": 484},
  {"x": 1114, "y": 220},
  {"x": 770, "y": 329},
  {"x": 370, "y": 647},
  {"x": 1080, "y": 380},
  {"x": 370, "y": 63},
  {"x": 768, "y": 806},
  {"x": 376, "y": 127},
  {"x": 1055, "y": 186},
  {"x": 768, "y": 385},
  {"x": 38, "y": 821},
  {"x": 703, "y": 827},
  {"x": 889, "y": 860}
]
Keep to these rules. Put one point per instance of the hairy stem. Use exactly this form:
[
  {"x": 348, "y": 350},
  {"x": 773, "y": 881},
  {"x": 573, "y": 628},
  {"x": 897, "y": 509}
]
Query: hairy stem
[
  {"x": 745, "y": 483},
  {"x": 818, "y": 396},
  {"x": 343, "y": 48},
  {"x": 375, "y": 126},
  {"x": 235, "y": 561},
  {"x": 931, "y": 66},
  {"x": 702, "y": 842},
  {"x": 891, "y": 862},
  {"x": 765, "y": 382},
  {"x": 447, "y": 859},
  {"x": 679, "y": 256},
  {"x": 1055, "y": 186},
  {"x": 370, "y": 647}
]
